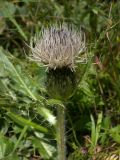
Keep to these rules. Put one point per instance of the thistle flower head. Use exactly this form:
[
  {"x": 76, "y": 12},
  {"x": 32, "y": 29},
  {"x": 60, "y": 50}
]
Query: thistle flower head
[{"x": 59, "y": 47}]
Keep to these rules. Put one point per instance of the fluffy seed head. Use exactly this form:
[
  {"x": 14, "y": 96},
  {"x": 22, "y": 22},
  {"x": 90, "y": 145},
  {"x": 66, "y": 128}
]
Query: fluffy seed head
[{"x": 59, "y": 46}]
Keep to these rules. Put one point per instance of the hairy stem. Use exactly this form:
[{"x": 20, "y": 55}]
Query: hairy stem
[{"x": 61, "y": 133}]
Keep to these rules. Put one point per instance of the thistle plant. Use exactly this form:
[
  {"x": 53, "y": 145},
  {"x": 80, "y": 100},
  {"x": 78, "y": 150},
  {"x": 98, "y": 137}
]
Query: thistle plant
[{"x": 60, "y": 49}]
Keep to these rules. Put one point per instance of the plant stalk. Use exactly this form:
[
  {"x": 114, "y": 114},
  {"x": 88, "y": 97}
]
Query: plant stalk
[{"x": 61, "y": 133}]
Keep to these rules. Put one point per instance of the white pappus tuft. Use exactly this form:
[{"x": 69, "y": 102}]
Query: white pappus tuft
[{"x": 59, "y": 46}]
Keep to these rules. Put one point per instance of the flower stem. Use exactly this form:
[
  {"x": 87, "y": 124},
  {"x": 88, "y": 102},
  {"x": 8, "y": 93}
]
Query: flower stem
[{"x": 61, "y": 133}]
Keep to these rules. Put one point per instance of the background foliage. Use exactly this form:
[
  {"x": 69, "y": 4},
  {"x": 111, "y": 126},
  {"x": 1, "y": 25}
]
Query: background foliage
[{"x": 27, "y": 114}]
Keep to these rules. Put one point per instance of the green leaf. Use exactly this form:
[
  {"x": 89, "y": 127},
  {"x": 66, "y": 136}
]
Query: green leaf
[
  {"x": 115, "y": 133},
  {"x": 24, "y": 122},
  {"x": 6, "y": 147},
  {"x": 98, "y": 126},
  {"x": 93, "y": 132},
  {"x": 20, "y": 137},
  {"x": 9, "y": 67},
  {"x": 45, "y": 150},
  {"x": 95, "y": 129}
]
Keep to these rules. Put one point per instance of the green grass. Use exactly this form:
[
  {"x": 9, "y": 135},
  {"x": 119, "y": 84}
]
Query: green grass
[{"x": 28, "y": 114}]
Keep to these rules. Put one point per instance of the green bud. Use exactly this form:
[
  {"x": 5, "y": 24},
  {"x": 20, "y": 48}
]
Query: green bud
[{"x": 61, "y": 83}]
